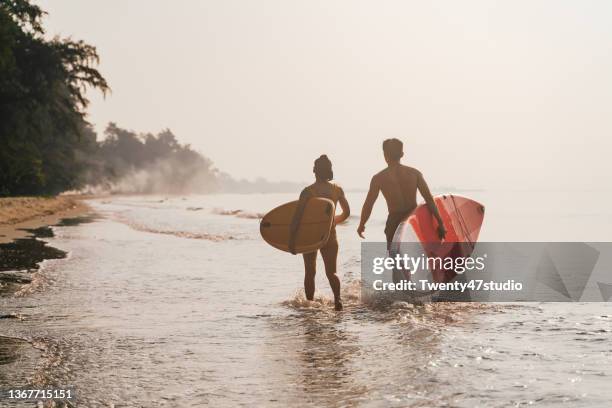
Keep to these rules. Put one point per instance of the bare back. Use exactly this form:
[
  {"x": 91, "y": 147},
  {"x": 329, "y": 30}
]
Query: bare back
[
  {"x": 325, "y": 190},
  {"x": 399, "y": 185}
]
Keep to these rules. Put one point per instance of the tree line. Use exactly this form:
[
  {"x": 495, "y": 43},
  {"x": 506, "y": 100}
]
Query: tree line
[
  {"x": 48, "y": 147},
  {"x": 46, "y": 144}
]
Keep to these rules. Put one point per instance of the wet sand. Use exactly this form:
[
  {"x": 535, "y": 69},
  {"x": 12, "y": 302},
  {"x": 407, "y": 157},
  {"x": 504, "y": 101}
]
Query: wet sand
[
  {"x": 18, "y": 215},
  {"x": 20, "y": 261},
  {"x": 22, "y": 221}
]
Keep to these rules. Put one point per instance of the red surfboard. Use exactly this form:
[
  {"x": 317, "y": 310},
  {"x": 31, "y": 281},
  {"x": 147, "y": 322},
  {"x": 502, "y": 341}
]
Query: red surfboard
[{"x": 462, "y": 218}]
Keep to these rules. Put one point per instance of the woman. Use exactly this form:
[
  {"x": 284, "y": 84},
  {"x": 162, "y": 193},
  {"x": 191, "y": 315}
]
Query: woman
[{"x": 321, "y": 188}]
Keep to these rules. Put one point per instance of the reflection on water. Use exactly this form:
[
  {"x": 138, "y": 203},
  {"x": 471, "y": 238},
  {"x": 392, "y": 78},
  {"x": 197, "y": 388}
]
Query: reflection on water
[
  {"x": 135, "y": 317},
  {"x": 364, "y": 355},
  {"x": 325, "y": 357},
  {"x": 10, "y": 350}
]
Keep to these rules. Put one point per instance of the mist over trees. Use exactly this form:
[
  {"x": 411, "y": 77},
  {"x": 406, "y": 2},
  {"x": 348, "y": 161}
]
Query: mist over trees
[
  {"x": 127, "y": 162},
  {"x": 46, "y": 144}
]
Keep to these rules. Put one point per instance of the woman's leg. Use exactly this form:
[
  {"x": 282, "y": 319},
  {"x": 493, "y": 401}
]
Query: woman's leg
[
  {"x": 310, "y": 269},
  {"x": 330, "y": 256}
]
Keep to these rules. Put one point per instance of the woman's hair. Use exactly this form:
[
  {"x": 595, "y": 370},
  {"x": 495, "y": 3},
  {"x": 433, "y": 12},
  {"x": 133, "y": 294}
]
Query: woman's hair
[{"x": 323, "y": 168}]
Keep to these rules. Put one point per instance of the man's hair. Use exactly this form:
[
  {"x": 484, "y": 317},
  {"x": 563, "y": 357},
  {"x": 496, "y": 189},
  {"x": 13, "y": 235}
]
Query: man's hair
[{"x": 393, "y": 148}]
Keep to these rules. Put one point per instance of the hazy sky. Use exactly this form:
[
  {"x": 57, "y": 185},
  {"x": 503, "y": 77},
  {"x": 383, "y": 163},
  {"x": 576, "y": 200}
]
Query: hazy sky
[{"x": 484, "y": 94}]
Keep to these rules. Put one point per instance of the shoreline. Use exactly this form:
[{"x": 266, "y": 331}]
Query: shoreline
[{"x": 18, "y": 214}]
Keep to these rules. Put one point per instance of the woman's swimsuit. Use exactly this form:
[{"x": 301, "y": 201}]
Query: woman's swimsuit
[{"x": 336, "y": 194}]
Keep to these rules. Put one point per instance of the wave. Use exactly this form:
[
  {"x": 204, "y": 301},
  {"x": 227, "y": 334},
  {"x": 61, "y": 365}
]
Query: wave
[
  {"x": 239, "y": 213},
  {"x": 181, "y": 234},
  {"x": 39, "y": 281}
]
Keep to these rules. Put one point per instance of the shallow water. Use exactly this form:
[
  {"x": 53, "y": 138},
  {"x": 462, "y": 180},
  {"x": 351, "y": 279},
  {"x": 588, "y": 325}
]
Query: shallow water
[{"x": 178, "y": 302}]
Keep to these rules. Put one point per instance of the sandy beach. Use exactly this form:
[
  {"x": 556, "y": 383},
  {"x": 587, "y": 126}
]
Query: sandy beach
[{"x": 18, "y": 214}]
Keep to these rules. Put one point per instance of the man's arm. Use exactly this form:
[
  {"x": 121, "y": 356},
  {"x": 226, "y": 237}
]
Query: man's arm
[
  {"x": 368, "y": 204},
  {"x": 431, "y": 204}
]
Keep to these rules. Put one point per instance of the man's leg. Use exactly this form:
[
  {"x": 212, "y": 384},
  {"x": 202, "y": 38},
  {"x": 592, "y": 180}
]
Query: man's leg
[{"x": 393, "y": 221}]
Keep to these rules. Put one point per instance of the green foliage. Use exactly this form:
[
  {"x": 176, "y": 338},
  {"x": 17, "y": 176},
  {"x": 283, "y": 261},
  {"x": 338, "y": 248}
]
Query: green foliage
[
  {"x": 42, "y": 103},
  {"x": 47, "y": 147}
]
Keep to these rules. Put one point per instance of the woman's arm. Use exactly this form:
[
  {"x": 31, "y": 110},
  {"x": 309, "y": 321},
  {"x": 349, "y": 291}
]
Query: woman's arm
[
  {"x": 297, "y": 218},
  {"x": 346, "y": 209}
]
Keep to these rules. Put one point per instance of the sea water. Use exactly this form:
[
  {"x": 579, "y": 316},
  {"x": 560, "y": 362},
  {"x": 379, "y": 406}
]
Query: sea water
[{"x": 177, "y": 301}]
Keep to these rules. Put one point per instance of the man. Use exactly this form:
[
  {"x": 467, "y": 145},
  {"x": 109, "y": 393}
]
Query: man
[{"x": 399, "y": 185}]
